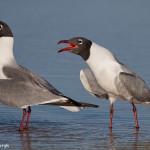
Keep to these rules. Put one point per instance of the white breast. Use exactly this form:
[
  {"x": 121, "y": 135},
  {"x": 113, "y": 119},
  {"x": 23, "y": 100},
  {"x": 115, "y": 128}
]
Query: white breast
[
  {"x": 104, "y": 67},
  {"x": 6, "y": 53}
]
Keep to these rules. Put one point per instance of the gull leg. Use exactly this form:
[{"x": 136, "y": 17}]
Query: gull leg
[
  {"x": 28, "y": 117},
  {"x": 135, "y": 115},
  {"x": 22, "y": 121},
  {"x": 111, "y": 115}
]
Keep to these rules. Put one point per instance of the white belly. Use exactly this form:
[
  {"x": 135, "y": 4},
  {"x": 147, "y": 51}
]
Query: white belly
[
  {"x": 106, "y": 77},
  {"x": 105, "y": 74},
  {"x": 106, "y": 81},
  {"x": 104, "y": 67}
]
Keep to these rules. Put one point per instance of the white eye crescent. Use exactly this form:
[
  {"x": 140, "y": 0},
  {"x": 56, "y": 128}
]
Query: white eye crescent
[
  {"x": 1, "y": 27},
  {"x": 80, "y": 41}
]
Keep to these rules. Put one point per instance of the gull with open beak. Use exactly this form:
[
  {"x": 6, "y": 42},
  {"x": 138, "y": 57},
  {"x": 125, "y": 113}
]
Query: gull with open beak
[{"x": 106, "y": 77}]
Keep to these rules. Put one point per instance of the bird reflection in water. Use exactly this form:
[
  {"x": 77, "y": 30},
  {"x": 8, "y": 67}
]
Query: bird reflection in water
[
  {"x": 113, "y": 145},
  {"x": 25, "y": 139}
]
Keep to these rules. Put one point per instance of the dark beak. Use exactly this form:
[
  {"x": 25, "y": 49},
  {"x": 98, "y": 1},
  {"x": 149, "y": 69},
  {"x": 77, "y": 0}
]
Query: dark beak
[
  {"x": 69, "y": 48},
  {"x": 63, "y": 41}
]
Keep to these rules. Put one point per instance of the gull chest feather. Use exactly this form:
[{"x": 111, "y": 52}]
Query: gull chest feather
[
  {"x": 6, "y": 54},
  {"x": 104, "y": 67}
]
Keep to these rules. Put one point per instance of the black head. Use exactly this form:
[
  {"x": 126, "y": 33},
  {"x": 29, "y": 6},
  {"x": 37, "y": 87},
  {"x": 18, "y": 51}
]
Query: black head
[
  {"x": 78, "y": 45},
  {"x": 5, "y": 31}
]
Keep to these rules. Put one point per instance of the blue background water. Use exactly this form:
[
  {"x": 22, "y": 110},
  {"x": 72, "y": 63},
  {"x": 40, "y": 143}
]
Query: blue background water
[{"x": 121, "y": 26}]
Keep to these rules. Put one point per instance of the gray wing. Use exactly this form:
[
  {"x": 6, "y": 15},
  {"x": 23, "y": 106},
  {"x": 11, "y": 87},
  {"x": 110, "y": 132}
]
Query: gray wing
[
  {"x": 22, "y": 74},
  {"x": 135, "y": 86},
  {"x": 24, "y": 88},
  {"x": 90, "y": 84}
]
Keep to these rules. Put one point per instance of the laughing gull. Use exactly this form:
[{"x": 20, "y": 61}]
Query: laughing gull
[
  {"x": 106, "y": 77},
  {"x": 19, "y": 87}
]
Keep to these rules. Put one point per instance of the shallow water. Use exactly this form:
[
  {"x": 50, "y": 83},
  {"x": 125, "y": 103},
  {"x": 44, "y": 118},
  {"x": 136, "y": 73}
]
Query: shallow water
[
  {"x": 54, "y": 128},
  {"x": 121, "y": 26}
]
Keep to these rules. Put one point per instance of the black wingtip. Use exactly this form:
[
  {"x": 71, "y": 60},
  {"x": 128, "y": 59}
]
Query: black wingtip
[
  {"x": 88, "y": 105},
  {"x": 82, "y": 104},
  {"x": 72, "y": 102}
]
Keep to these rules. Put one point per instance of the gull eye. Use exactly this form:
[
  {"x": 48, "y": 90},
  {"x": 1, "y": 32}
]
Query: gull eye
[
  {"x": 80, "y": 41},
  {"x": 1, "y": 27}
]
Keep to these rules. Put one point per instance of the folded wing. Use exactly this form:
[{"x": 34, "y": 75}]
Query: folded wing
[
  {"x": 24, "y": 88},
  {"x": 135, "y": 86}
]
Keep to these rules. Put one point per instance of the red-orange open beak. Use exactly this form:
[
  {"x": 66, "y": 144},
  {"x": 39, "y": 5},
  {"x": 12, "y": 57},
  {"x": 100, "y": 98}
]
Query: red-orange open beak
[{"x": 70, "y": 47}]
